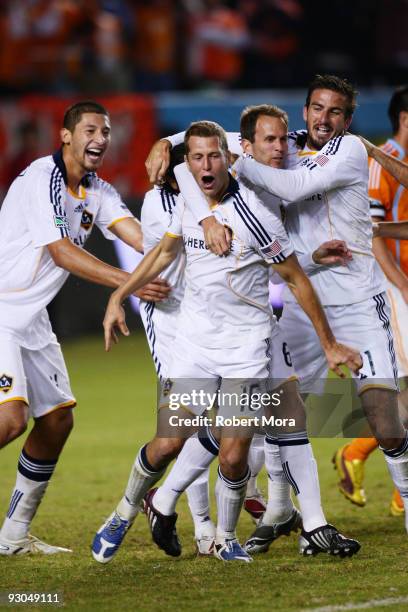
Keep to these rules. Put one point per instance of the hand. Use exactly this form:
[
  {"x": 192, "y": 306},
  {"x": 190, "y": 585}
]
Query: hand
[
  {"x": 158, "y": 161},
  {"x": 156, "y": 291},
  {"x": 217, "y": 236},
  {"x": 332, "y": 252},
  {"x": 339, "y": 354},
  {"x": 368, "y": 145},
  {"x": 114, "y": 317}
]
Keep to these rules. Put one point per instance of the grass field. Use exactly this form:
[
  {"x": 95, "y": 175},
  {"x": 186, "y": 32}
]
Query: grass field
[{"x": 115, "y": 414}]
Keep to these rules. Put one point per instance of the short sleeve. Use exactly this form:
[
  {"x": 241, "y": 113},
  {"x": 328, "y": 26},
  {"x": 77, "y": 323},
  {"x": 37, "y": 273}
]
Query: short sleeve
[
  {"x": 44, "y": 200},
  {"x": 111, "y": 210},
  {"x": 270, "y": 238}
]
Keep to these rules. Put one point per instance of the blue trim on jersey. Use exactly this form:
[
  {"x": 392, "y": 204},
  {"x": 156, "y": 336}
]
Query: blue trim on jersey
[
  {"x": 394, "y": 143},
  {"x": 151, "y": 335},
  {"x": 55, "y": 198},
  {"x": 251, "y": 221},
  {"x": 333, "y": 145},
  {"x": 380, "y": 303}
]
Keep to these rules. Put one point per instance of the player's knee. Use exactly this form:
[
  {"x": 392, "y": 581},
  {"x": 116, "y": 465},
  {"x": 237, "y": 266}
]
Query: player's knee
[
  {"x": 61, "y": 421},
  {"x": 13, "y": 427},
  {"x": 232, "y": 463},
  {"x": 169, "y": 448}
]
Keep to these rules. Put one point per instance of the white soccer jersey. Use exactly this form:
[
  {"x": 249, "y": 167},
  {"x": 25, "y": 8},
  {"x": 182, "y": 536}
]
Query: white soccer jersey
[
  {"x": 226, "y": 298},
  {"x": 156, "y": 215},
  {"x": 325, "y": 198},
  {"x": 39, "y": 209}
]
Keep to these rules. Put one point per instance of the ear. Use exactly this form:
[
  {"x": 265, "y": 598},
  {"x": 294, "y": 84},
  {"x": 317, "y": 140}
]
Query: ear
[
  {"x": 403, "y": 119},
  {"x": 305, "y": 113},
  {"x": 247, "y": 146},
  {"x": 65, "y": 136}
]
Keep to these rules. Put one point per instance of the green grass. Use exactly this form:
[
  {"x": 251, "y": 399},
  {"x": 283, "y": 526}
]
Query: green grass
[{"x": 115, "y": 414}]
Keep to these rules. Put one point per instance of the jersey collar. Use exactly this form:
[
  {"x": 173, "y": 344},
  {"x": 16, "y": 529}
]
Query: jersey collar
[{"x": 59, "y": 162}]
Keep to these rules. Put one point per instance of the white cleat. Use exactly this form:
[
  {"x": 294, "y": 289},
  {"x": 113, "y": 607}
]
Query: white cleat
[
  {"x": 205, "y": 545},
  {"x": 29, "y": 545}
]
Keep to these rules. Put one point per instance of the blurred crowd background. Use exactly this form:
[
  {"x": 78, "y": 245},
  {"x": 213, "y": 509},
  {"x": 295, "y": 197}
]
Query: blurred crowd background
[
  {"x": 159, "y": 64},
  {"x": 65, "y": 46}
]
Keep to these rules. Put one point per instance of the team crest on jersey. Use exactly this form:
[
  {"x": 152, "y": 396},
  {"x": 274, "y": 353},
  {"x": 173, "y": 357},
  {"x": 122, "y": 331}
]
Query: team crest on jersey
[
  {"x": 6, "y": 383},
  {"x": 86, "y": 220},
  {"x": 167, "y": 386},
  {"x": 61, "y": 221}
]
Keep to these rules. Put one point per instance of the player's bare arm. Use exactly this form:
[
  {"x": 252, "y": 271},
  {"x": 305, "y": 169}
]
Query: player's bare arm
[
  {"x": 398, "y": 230},
  {"x": 149, "y": 268},
  {"x": 158, "y": 161},
  {"x": 386, "y": 259},
  {"x": 336, "y": 354},
  {"x": 397, "y": 168},
  {"x": 129, "y": 231}
]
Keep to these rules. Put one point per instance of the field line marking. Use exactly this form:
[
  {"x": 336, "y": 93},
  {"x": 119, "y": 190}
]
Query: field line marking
[{"x": 365, "y": 605}]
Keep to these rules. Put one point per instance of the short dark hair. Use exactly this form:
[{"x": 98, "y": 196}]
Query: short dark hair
[
  {"x": 398, "y": 103},
  {"x": 251, "y": 114},
  {"x": 206, "y": 129},
  {"x": 177, "y": 154},
  {"x": 334, "y": 83},
  {"x": 74, "y": 113}
]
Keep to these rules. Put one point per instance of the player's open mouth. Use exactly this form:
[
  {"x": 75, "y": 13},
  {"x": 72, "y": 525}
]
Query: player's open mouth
[
  {"x": 323, "y": 130},
  {"x": 94, "y": 154},
  {"x": 208, "y": 181}
]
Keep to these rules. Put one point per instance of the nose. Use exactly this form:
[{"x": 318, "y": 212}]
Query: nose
[
  {"x": 206, "y": 163},
  {"x": 324, "y": 115}
]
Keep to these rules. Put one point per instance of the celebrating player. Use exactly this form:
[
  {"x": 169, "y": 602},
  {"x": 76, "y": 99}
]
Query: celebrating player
[
  {"x": 388, "y": 200},
  {"x": 45, "y": 220}
]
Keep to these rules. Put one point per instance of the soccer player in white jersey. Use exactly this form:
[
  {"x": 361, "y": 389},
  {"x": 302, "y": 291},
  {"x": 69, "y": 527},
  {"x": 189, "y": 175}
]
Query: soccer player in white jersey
[
  {"x": 221, "y": 334},
  {"x": 325, "y": 196},
  {"x": 45, "y": 220},
  {"x": 264, "y": 137}
]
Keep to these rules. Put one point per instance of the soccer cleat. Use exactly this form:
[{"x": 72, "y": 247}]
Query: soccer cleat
[
  {"x": 255, "y": 506},
  {"x": 264, "y": 535},
  {"x": 351, "y": 474},
  {"x": 29, "y": 545},
  {"x": 109, "y": 537},
  {"x": 397, "y": 505},
  {"x": 231, "y": 550},
  {"x": 163, "y": 528},
  {"x": 205, "y": 537},
  {"x": 327, "y": 539}
]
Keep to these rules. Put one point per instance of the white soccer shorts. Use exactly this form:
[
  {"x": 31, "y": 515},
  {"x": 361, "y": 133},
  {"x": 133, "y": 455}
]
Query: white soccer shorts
[
  {"x": 364, "y": 326},
  {"x": 399, "y": 324},
  {"x": 37, "y": 377},
  {"x": 254, "y": 368},
  {"x": 160, "y": 326}
]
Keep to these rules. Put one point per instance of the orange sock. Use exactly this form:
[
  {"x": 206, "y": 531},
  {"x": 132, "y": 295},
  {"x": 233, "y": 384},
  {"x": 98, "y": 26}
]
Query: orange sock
[{"x": 360, "y": 448}]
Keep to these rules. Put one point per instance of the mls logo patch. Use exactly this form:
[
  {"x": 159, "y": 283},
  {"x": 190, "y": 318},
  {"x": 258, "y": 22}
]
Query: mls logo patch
[
  {"x": 6, "y": 383},
  {"x": 167, "y": 385},
  {"x": 61, "y": 221},
  {"x": 86, "y": 220}
]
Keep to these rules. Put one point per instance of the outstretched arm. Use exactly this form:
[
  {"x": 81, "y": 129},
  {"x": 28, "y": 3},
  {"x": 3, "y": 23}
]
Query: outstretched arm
[
  {"x": 397, "y": 168},
  {"x": 151, "y": 266},
  {"x": 391, "y": 229},
  {"x": 301, "y": 287}
]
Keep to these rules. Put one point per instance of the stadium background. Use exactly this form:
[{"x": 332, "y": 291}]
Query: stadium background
[{"x": 157, "y": 65}]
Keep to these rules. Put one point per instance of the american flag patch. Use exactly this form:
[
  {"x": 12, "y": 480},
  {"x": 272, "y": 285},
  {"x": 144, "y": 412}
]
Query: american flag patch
[
  {"x": 272, "y": 249},
  {"x": 322, "y": 160}
]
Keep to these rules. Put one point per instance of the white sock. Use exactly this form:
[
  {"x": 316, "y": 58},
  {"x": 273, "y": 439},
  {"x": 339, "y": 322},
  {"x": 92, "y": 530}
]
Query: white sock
[
  {"x": 32, "y": 480},
  {"x": 141, "y": 479},
  {"x": 279, "y": 507},
  {"x": 198, "y": 499},
  {"x": 300, "y": 470},
  {"x": 194, "y": 460},
  {"x": 230, "y": 495},
  {"x": 256, "y": 459},
  {"x": 397, "y": 461}
]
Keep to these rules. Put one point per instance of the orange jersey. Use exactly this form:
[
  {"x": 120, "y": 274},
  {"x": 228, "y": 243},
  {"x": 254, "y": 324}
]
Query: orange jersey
[{"x": 389, "y": 199}]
